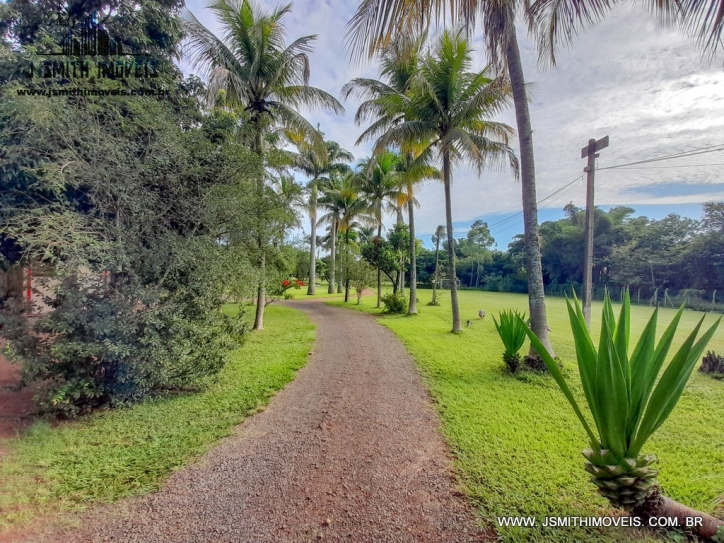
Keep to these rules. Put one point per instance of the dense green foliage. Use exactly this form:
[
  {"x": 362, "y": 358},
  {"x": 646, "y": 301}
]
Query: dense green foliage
[
  {"x": 517, "y": 443},
  {"x": 107, "y": 456},
  {"x": 673, "y": 260},
  {"x": 144, "y": 214},
  {"x": 395, "y": 303}
]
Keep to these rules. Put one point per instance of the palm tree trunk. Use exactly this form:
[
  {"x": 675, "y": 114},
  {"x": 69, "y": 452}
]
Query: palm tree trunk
[
  {"x": 261, "y": 291},
  {"x": 346, "y": 266},
  {"x": 400, "y": 216},
  {"x": 333, "y": 259},
  {"x": 437, "y": 262},
  {"x": 447, "y": 181},
  {"x": 340, "y": 286},
  {"x": 412, "y": 307},
  {"x": 313, "y": 244},
  {"x": 379, "y": 272},
  {"x": 536, "y": 293}
]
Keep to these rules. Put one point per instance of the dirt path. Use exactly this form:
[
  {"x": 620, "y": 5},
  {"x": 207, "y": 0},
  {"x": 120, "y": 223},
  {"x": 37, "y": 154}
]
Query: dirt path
[{"x": 349, "y": 451}]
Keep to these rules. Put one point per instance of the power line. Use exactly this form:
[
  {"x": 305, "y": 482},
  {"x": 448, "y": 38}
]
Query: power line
[
  {"x": 685, "y": 154},
  {"x": 558, "y": 193},
  {"x": 519, "y": 213},
  {"x": 668, "y": 167}
]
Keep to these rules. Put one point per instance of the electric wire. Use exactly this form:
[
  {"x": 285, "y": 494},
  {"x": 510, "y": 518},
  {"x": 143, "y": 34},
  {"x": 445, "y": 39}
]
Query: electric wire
[{"x": 684, "y": 154}]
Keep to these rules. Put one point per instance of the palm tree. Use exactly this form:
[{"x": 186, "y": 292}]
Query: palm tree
[
  {"x": 255, "y": 71},
  {"x": 346, "y": 206},
  {"x": 411, "y": 177},
  {"x": 376, "y": 22},
  {"x": 379, "y": 181},
  {"x": 384, "y": 106},
  {"x": 436, "y": 237},
  {"x": 561, "y": 20},
  {"x": 332, "y": 199},
  {"x": 318, "y": 167},
  {"x": 448, "y": 110}
]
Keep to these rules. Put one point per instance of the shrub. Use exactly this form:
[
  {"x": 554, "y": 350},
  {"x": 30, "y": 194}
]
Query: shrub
[
  {"x": 395, "y": 303},
  {"x": 98, "y": 347},
  {"x": 714, "y": 364},
  {"x": 512, "y": 333},
  {"x": 627, "y": 399}
]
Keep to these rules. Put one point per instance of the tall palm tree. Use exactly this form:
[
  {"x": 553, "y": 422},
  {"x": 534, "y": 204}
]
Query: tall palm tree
[
  {"x": 448, "y": 110},
  {"x": 379, "y": 181},
  {"x": 411, "y": 177},
  {"x": 332, "y": 199},
  {"x": 376, "y": 22},
  {"x": 436, "y": 237},
  {"x": 383, "y": 105},
  {"x": 261, "y": 75},
  {"x": 346, "y": 207},
  {"x": 318, "y": 167}
]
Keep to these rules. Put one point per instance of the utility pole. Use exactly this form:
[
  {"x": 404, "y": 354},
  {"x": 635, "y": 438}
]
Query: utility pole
[{"x": 590, "y": 151}]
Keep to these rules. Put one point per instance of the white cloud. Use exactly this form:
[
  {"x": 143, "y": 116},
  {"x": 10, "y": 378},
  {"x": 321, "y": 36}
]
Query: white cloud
[{"x": 645, "y": 86}]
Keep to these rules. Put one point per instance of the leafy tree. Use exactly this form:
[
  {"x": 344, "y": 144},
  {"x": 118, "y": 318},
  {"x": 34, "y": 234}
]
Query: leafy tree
[
  {"x": 362, "y": 275},
  {"x": 121, "y": 199}
]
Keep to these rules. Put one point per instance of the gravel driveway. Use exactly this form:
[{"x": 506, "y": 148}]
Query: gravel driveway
[{"x": 349, "y": 451}]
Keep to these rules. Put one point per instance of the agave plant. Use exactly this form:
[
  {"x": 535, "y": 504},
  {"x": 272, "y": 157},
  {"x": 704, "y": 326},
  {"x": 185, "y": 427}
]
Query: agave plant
[
  {"x": 511, "y": 330},
  {"x": 627, "y": 400}
]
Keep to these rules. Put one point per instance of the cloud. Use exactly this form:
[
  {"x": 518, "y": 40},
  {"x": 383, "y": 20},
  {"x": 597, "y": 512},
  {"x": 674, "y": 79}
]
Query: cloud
[{"x": 645, "y": 86}]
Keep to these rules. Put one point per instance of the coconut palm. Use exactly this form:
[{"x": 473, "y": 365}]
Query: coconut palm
[
  {"x": 436, "y": 237},
  {"x": 317, "y": 167},
  {"x": 376, "y": 22},
  {"x": 383, "y": 107},
  {"x": 379, "y": 181},
  {"x": 257, "y": 72},
  {"x": 348, "y": 209},
  {"x": 332, "y": 201},
  {"x": 559, "y": 21},
  {"x": 411, "y": 177},
  {"x": 449, "y": 111}
]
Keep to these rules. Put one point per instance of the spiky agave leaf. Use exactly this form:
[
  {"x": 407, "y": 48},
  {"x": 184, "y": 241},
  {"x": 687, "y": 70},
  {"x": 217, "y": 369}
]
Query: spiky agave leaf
[
  {"x": 512, "y": 333},
  {"x": 626, "y": 399}
]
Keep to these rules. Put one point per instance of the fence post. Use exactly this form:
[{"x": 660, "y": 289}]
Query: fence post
[
  {"x": 638, "y": 296},
  {"x": 713, "y": 298}
]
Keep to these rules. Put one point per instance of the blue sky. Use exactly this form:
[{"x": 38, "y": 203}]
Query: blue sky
[{"x": 647, "y": 87}]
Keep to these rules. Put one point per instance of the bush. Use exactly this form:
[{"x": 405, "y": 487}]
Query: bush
[
  {"x": 395, "y": 303},
  {"x": 512, "y": 333},
  {"x": 713, "y": 364},
  {"x": 98, "y": 347}
]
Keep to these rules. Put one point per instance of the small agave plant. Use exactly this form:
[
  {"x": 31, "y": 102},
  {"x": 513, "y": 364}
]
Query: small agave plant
[
  {"x": 627, "y": 400},
  {"x": 511, "y": 330}
]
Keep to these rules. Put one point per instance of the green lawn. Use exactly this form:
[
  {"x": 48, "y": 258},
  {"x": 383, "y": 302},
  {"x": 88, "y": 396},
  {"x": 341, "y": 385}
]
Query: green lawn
[
  {"x": 517, "y": 442},
  {"x": 131, "y": 451}
]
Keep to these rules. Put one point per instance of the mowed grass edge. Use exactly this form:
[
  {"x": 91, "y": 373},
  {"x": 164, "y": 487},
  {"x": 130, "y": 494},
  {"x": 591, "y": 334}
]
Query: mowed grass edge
[
  {"x": 516, "y": 441},
  {"x": 126, "y": 452}
]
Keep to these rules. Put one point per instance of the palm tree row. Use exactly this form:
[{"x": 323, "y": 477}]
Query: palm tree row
[
  {"x": 435, "y": 111},
  {"x": 265, "y": 81}
]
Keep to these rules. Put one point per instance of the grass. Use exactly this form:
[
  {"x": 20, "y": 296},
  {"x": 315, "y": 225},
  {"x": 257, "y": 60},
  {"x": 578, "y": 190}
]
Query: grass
[
  {"x": 115, "y": 454},
  {"x": 516, "y": 441}
]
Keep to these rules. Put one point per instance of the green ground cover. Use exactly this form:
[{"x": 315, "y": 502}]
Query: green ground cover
[
  {"x": 516, "y": 440},
  {"x": 131, "y": 451}
]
